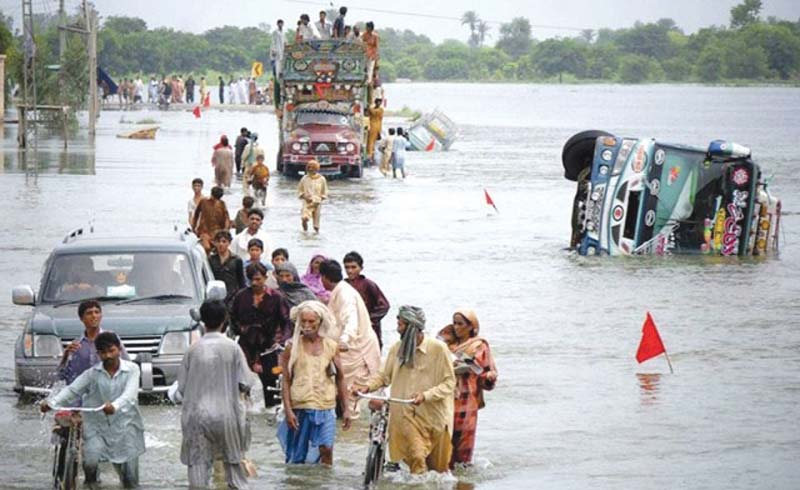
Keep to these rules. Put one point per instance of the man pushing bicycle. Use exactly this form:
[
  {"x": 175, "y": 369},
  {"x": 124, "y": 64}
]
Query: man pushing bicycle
[{"x": 419, "y": 368}]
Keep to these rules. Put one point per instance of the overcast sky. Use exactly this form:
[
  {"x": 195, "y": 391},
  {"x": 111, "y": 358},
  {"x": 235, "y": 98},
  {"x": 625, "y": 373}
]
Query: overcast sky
[{"x": 200, "y": 15}]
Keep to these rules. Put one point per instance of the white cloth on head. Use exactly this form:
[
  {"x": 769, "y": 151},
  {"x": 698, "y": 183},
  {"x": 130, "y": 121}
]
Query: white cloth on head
[{"x": 326, "y": 326}]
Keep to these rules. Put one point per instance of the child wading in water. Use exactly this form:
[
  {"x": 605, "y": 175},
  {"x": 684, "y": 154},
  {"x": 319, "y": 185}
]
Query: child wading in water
[
  {"x": 309, "y": 391},
  {"x": 312, "y": 189}
]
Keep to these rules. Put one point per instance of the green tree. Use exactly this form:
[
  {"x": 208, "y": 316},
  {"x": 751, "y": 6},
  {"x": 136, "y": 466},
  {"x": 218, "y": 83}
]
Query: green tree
[
  {"x": 709, "y": 66},
  {"x": 745, "y": 14},
  {"x": 744, "y": 59},
  {"x": 125, "y": 25},
  {"x": 483, "y": 31},
  {"x": 470, "y": 18},
  {"x": 637, "y": 68},
  {"x": 515, "y": 37},
  {"x": 646, "y": 39},
  {"x": 781, "y": 45},
  {"x": 556, "y": 56}
]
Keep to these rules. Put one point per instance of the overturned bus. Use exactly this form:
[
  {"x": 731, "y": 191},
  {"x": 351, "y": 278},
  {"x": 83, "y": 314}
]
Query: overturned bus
[{"x": 645, "y": 197}]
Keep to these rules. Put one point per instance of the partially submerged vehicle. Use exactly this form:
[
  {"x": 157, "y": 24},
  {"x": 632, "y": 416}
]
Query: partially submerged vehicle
[
  {"x": 323, "y": 93},
  {"x": 432, "y": 132},
  {"x": 146, "y": 287},
  {"x": 646, "y": 197}
]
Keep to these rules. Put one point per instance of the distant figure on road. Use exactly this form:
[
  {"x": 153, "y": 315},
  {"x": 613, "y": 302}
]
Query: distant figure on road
[{"x": 312, "y": 189}]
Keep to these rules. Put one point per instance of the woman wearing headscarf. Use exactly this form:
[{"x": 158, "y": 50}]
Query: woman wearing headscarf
[
  {"x": 289, "y": 285},
  {"x": 313, "y": 279},
  {"x": 475, "y": 372},
  {"x": 310, "y": 387},
  {"x": 222, "y": 160}
]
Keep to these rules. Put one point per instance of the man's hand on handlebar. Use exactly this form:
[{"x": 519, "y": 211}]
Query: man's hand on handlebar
[
  {"x": 418, "y": 398},
  {"x": 44, "y": 407},
  {"x": 356, "y": 388}
]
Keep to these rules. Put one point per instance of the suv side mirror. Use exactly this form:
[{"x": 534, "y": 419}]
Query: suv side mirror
[
  {"x": 216, "y": 290},
  {"x": 23, "y": 295},
  {"x": 195, "y": 314}
]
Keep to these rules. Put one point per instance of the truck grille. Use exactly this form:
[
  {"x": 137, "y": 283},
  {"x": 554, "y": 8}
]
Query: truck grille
[
  {"x": 325, "y": 147},
  {"x": 134, "y": 345}
]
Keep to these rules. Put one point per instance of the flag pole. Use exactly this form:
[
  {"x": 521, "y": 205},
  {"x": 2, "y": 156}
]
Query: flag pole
[{"x": 671, "y": 371}]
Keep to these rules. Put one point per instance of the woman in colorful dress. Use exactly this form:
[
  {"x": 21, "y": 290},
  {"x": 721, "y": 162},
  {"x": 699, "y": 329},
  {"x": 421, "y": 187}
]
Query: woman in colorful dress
[
  {"x": 313, "y": 279},
  {"x": 475, "y": 372}
]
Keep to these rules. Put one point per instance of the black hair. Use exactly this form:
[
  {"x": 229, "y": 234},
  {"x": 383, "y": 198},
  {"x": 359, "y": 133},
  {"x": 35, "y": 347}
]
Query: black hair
[
  {"x": 213, "y": 313},
  {"x": 217, "y": 192},
  {"x": 370, "y": 25},
  {"x": 198, "y": 180},
  {"x": 391, "y": 131},
  {"x": 243, "y": 130},
  {"x": 255, "y": 268},
  {"x": 343, "y": 10},
  {"x": 305, "y": 17},
  {"x": 105, "y": 340},
  {"x": 248, "y": 201},
  {"x": 354, "y": 257},
  {"x": 280, "y": 21},
  {"x": 331, "y": 270},
  {"x": 255, "y": 242},
  {"x": 257, "y": 211},
  {"x": 85, "y": 305},
  {"x": 323, "y": 12},
  {"x": 223, "y": 234},
  {"x": 280, "y": 251}
]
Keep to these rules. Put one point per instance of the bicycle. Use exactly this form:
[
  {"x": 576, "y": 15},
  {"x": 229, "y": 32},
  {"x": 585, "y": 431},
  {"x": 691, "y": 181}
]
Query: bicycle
[
  {"x": 68, "y": 441},
  {"x": 278, "y": 387},
  {"x": 378, "y": 424}
]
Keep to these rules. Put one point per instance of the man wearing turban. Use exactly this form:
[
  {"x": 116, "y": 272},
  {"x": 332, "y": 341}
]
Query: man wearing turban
[
  {"x": 419, "y": 368},
  {"x": 312, "y": 189}
]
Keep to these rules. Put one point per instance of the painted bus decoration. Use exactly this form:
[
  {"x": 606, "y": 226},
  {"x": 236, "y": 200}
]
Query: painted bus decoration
[{"x": 645, "y": 197}]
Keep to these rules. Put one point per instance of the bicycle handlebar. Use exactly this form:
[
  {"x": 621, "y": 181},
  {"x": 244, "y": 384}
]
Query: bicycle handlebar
[
  {"x": 77, "y": 409},
  {"x": 385, "y": 399},
  {"x": 274, "y": 348}
]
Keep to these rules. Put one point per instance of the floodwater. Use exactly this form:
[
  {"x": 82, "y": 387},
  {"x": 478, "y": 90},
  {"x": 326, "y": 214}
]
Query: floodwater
[{"x": 572, "y": 408}]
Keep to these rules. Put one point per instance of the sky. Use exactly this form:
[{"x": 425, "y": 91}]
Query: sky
[{"x": 436, "y": 19}]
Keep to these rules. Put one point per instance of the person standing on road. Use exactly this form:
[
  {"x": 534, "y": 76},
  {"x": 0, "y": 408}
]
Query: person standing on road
[
  {"x": 418, "y": 368},
  {"x": 190, "y": 83},
  {"x": 241, "y": 142},
  {"x": 313, "y": 378},
  {"x": 116, "y": 433},
  {"x": 241, "y": 242},
  {"x": 213, "y": 418},
  {"x": 222, "y": 160},
  {"x": 226, "y": 266},
  {"x": 197, "y": 188},
  {"x": 203, "y": 90},
  {"x": 312, "y": 189},
  {"x": 210, "y": 217}
]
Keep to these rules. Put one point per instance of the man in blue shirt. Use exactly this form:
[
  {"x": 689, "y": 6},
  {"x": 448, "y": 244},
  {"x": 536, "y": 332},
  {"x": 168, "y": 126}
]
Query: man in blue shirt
[
  {"x": 115, "y": 431},
  {"x": 81, "y": 354}
]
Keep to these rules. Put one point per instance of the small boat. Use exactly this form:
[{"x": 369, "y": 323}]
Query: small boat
[
  {"x": 432, "y": 132},
  {"x": 144, "y": 133}
]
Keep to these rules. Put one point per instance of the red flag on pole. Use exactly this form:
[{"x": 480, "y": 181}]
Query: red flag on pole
[
  {"x": 196, "y": 112},
  {"x": 207, "y": 101},
  {"x": 651, "y": 344},
  {"x": 489, "y": 200}
]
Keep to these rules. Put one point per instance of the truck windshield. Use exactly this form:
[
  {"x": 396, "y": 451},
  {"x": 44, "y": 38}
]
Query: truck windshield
[
  {"x": 72, "y": 277},
  {"x": 319, "y": 117}
]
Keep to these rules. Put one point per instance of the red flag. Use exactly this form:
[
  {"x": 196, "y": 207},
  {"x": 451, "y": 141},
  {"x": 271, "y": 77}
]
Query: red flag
[
  {"x": 207, "y": 101},
  {"x": 431, "y": 145},
  {"x": 489, "y": 200},
  {"x": 196, "y": 112},
  {"x": 651, "y": 344}
]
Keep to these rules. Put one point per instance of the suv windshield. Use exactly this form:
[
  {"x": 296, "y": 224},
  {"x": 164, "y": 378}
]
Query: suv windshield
[
  {"x": 327, "y": 118},
  {"x": 163, "y": 275}
]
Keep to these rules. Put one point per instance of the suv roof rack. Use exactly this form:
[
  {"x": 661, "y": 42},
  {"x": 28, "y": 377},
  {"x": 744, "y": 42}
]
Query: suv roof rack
[{"x": 77, "y": 233}]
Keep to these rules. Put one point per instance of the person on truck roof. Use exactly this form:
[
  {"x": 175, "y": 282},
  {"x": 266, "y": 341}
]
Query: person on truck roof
[
  {"x": 276, "y": 49},
  {"x": 306, "y": 30},
  {"x": 323, "y": 25},
  {"x": 338, "y": 31},
  {"x": 370, "y": 39}
]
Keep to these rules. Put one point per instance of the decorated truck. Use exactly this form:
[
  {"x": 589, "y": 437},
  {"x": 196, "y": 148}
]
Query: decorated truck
[
  {"x": 646, "y": 197},
  {"x": 323, "y": 95}
]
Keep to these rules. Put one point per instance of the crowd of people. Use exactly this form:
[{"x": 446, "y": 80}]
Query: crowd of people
[{"x": 174, "y": 89}]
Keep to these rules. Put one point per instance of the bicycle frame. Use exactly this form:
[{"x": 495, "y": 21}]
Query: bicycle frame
[{"x": 378, "y": 425}]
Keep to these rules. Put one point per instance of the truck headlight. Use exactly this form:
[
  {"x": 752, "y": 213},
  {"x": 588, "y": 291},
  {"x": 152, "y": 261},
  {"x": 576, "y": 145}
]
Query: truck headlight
[
  {"x": 296, "y": 146},
  {"x": 42, "y": 345},
  {"x": 174, "y": 343},
  {"x": 351, "y": 147}
]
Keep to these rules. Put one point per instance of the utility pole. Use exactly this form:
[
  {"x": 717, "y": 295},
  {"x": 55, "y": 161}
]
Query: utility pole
[
  {"x": 91, "y": 26},
  {"x": 62, "y": 47},
  {"x": 29, "y": 76}
]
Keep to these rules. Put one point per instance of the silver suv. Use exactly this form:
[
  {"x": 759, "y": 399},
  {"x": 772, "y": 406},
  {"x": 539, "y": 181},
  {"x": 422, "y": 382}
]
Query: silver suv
[{"x": 146, "y": 286}]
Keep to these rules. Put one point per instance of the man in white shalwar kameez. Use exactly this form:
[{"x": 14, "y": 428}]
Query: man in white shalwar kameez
[
  {"x": 213, "y": 419},
  {"x": 359, "y": 351}
]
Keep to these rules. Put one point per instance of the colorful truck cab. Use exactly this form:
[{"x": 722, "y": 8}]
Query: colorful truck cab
[
  {"x": 323, "y": 96},
  {"x": 644, "y": 197}
]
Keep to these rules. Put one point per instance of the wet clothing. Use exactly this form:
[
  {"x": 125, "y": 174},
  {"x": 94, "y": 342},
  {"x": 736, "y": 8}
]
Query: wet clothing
[
  {"x": 231, "y": 272},
  {"x": 82, "y": 359},
  {"x": 420, "y": 435},
  {"x": 469, "y": 397},
  {"x": 315, "y": 428},
  {"x": 213, "y": 418},
  {"x": 210, "y": 216},
  {"x": 376, "y": 303},
  {"x": 312, "y": 191},
  {"x": 116, "y": 438},
  {"x": 353, "y": 328},
  {"x": 375, "y": 127},
  {"x": 259, "y": 327},
  {"x": 222, "y": 160},
  {"x": 241, "y": 142}
]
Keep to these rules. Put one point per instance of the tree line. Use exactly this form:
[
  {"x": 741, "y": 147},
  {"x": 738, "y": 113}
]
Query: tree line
[{"x": 748, "y": 49}]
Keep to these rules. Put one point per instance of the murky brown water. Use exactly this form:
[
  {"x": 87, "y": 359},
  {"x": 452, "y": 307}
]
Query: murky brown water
[{"x": 572, "y": 409}]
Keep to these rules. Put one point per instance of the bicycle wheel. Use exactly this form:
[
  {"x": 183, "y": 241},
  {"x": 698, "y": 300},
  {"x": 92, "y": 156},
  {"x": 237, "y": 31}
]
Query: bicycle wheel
[
  {"x": 65, "y": 471},
  {"x": 374, "y": 464}
]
